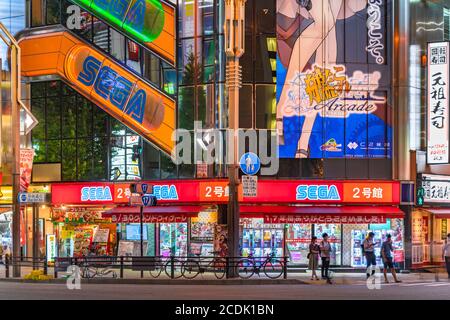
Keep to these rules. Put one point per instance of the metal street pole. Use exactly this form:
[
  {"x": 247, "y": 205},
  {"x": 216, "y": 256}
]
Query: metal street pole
[
  {"x": 142, "y": 238},
  {"x": 15, "y": 127},
  {"x": 234, "y": 46}
]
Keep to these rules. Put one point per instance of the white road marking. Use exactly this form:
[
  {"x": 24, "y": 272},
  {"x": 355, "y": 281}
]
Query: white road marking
[{"x": 439, "y": 284}]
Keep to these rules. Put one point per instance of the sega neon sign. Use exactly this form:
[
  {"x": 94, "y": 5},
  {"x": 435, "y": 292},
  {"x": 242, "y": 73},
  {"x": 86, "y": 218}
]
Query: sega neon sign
[
  {"x": 317, "y": 192},
  {"x": 112, "y": 87},
  {"x": 96, "y": 194},
  {"x": 141, "y": 19},
  {"x": 165, "y": 192},
  {"x": 131, "y": 101}
]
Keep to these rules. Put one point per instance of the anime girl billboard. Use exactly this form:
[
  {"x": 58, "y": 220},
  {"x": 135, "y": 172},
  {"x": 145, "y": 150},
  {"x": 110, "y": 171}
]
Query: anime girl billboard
[{"x": 333, "y": 79}]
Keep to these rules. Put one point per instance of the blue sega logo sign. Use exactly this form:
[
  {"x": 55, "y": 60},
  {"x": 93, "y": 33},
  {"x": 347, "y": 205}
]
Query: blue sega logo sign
[
  {"x": 317, "y": 192},
  {"x": 96, "y": 194},
  {"x": 109, "y": 85}
]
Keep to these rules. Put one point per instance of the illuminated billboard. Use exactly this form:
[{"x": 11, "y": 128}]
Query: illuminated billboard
[
  {"x": 121, "y": 94},
  {"x": 438, "y": 103},
  {"x": 150, "y": 22},
  {"x": 333, "y": 79}
]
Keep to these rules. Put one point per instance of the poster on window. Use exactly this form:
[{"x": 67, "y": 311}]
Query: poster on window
[
  {"x": 333, "y": 79},
  {"x": 221, "y": 240},
  {"x": 438, "y": 108},
  {"x": 26, "y": 165}
]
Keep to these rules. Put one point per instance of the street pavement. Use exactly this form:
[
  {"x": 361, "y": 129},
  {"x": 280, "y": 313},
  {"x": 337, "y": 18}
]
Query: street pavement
[{"x": 345, "y": 287}]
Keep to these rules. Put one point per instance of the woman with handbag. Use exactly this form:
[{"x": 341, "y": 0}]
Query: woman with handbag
[{"x": 313, "y": 257}]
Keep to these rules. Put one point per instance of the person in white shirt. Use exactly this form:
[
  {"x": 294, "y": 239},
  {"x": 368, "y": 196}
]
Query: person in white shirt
[
  {"x": 369, "y": 248},
  {"x": 446, "y": 254}
]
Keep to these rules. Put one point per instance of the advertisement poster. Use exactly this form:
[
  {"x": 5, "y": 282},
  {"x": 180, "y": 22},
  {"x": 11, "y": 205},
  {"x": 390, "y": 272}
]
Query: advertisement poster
[
  {"x": 26, "y": 165},
  {"x": 82, "y": 241},
  {"x": 131, "y": 248},
  {"x": 101, "y": 235},
  {"x": 221, "y": 240},
  {"x": 202, "y": 226},
  {"x": 333, "y": 79},
  {"x": 125, "y": 249}
]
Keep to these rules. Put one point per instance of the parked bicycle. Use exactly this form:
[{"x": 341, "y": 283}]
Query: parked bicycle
[
  {"x": 271, "y": 266},
  {"x": 99, "y": 267},
  {"x": 159, "y": 265},
  {"x": 194, "y": 266}
]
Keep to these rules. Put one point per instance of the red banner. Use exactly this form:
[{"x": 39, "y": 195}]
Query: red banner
[
  {"x": 149, "y": 218},
  {"x": 216, "y": 191},
  {"x": 324, "y": 192},
  {"x": 324, "y": 219},
  {"x": 26, "y": 165}
]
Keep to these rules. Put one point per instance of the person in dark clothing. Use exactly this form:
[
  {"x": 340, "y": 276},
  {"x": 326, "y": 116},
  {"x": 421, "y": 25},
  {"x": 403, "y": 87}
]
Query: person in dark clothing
[
  {"x": 386, "y": 255},
  {"x": 325, "y": 254}
]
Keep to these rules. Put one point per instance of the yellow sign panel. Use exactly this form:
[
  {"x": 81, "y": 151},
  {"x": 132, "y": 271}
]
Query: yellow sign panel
[{"x": 6, "y": 195}]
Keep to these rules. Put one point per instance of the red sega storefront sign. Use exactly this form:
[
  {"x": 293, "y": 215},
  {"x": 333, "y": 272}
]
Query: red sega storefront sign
[
  {"x": 176, "y": 191},
  {"x": 216, "y": 191},
  {"x": 325, "y": 191}
]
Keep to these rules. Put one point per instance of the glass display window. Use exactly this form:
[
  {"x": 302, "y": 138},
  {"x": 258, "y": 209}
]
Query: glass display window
[
  {"x": 173, "y": 239},
  {"x": 334, "y": 232},
  {"x": 298, "y": 237}
]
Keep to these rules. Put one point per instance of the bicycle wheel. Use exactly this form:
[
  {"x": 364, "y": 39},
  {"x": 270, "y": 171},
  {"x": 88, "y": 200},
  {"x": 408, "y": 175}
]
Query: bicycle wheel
[
  {"x": 88, "y": 272},
  {"x": 156, "y": 270},
  {"x": 219, "y": 265},
  {"x": 190, "y": 269},
  {"x": 177, "y": 268},
  {"x": 273, "y": 269},
  {"x": 245, "y": 268}
]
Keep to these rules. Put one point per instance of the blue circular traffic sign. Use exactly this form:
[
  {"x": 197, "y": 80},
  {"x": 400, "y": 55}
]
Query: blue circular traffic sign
[{"x": 250, "y": 163}]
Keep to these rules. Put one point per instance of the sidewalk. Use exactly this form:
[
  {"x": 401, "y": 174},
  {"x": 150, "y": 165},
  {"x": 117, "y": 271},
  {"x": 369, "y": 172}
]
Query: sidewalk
[{"x": 134, "y": 277}]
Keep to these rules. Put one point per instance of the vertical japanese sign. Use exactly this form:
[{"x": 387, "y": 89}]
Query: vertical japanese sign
[
  {"x": 438, "y": 108},
  {"x": 26, "y": 164},
  {"x": 51, "y": 247}
]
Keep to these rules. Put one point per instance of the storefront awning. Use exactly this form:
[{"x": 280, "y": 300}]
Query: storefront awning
[
  {"x": 322, "y": 214},
  {"x": 162, "y": 214},
  {"x": 440, "y": 213}
]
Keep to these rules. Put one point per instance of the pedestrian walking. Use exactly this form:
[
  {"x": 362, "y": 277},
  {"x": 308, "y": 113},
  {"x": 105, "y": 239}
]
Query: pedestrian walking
[
  {"x": 446, "y": 254},
  {"x": 369, "y": 248},
  {"x": 386, "y": 255},
  {"x": 313, "y": 257},
  {"x": 325, "y": 254}
]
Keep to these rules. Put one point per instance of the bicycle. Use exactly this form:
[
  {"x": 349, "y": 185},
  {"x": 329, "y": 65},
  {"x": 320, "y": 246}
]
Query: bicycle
[
  {"x": 192, "y": 267},
  {"x": 100, "y": 266},
  {"x": 160, "y": 265},
  {"x": 271, "y": 266}
]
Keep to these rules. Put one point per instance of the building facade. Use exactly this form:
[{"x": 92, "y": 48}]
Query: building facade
[{"x": 320, "y": 77}]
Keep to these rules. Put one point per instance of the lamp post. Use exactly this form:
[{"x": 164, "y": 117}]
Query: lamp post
[
  {"x": 234, "y": 46},
  {"x": 16, "y": 104}
]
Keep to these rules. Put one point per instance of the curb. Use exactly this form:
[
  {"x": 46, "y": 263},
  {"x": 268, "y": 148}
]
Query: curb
[{"x": 165, "y": 281}]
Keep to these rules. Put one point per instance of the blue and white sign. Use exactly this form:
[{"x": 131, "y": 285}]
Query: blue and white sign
[
  {"x": 250, "y": 163},
  {"x": 148, "y": 200},
  {"x": 144, "y": 187},
  {"x": 25, "y": 197}
]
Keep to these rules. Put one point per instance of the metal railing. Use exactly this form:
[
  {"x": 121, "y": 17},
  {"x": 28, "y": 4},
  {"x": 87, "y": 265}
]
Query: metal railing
[
  {"x": 174, "y": 267},
  {"x": 29, "y": 263}
]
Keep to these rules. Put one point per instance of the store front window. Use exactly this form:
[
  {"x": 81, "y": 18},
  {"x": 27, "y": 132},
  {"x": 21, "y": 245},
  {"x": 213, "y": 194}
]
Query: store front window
[
  {"x": 335, "y": 238},
  {"x": 259, "y": 239},
  {"x": 193, "y": 237},
  {"x": 82, "y": 232},
  {"x": 292, "y": 240},
  {"x": 5, "y": 231},
  {"x": 297, "y": 242}
]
